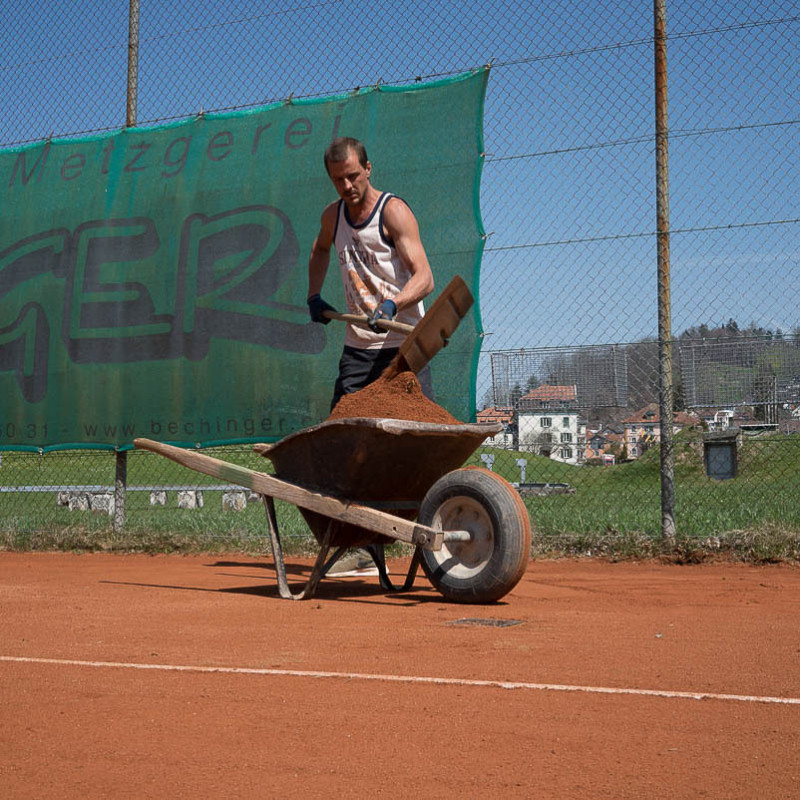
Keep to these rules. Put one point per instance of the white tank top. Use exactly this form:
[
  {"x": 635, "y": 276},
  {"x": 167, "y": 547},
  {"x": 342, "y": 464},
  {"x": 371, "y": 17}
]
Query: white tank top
[{"x": 371, "y": 273}]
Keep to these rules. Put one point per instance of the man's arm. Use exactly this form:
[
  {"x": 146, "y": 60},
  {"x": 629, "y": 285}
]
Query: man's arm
[
  {"x": 402, "y": 227},
  {"x": 321, "y": 251}
]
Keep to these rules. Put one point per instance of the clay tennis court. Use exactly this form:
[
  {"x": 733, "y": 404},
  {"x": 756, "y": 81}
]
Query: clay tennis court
[{"x": 173, "y": 676}]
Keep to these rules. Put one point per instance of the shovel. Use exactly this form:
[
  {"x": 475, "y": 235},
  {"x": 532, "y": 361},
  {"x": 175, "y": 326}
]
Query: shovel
[{"x": 429, "y": 335}]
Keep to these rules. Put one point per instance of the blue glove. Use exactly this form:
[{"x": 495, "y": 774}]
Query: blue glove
[
  {"x": 316, "y": 305},
  {"x": 386, "y": 310}
]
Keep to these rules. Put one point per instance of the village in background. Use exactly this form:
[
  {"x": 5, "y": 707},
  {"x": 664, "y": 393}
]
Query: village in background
[{"x": 599, "y": 404}]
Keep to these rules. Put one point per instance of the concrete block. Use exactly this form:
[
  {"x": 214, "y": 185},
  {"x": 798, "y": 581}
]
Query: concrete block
[
  {"x": 190, "y": 499},
  {"x": 234, "y": 501},
  {"x": 102, "y": 502},
  {"x": 78, "y": 501},
  {"x": 158, "y": 498}
]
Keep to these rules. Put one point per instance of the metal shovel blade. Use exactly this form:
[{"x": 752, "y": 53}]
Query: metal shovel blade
[{"x": 433, "y": 331}]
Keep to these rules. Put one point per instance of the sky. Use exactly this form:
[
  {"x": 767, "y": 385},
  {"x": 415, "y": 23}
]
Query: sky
[{"x": 568, "y": 189}]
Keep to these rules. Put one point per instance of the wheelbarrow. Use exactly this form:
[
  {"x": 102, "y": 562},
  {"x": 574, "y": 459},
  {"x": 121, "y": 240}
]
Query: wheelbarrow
[{"x": 400, "y": 481}]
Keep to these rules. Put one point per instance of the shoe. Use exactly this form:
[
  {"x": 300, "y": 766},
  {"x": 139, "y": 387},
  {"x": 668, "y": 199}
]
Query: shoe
[{"x": 354, "y": 564}]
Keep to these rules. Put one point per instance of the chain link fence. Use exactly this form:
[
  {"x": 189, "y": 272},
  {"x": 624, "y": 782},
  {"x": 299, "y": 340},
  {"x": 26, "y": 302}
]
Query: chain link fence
[{"x": 569, "y": 291}]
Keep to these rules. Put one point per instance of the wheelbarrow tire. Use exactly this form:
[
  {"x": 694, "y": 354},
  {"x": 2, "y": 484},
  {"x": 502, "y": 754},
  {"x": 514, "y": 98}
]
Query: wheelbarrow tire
[{"x": 491, "y": 564}]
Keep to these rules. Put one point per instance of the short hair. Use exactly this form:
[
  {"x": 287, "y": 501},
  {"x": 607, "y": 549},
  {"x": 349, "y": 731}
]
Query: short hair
[{"x": 340, "y": 148}]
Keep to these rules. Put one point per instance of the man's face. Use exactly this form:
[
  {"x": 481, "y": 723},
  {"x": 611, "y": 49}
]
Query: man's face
[{"x": 350, "y": 179}]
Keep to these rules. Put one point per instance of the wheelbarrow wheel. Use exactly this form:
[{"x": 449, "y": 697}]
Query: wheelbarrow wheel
[{"x": 487, "y": 565}]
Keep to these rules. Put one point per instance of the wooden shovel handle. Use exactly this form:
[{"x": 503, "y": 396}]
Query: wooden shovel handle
[{"x": 356, "y": 319}]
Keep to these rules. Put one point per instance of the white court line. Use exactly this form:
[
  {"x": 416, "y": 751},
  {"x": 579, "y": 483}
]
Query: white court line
[{"x": 365, "y": 676}]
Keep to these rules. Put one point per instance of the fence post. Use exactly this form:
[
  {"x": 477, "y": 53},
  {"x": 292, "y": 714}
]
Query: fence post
[
  {"x": 664, "y": 304},
  {"x": 120, "y": 489},
  {"x": 132, "y": 98},
  {"x": 131, "y": 102}
]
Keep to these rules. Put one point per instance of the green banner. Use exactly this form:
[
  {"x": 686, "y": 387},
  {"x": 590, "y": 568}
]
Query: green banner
[{"x": 153, "y": 280}]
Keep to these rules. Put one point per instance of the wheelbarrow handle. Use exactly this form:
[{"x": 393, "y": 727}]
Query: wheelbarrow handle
[
  {"x": 353, "y": 513},
  {"x": 357, "y": 319}
]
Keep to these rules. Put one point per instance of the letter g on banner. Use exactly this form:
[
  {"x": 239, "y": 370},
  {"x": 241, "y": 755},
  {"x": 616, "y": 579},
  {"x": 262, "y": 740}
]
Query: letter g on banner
[{"x": 25, "y": 268}]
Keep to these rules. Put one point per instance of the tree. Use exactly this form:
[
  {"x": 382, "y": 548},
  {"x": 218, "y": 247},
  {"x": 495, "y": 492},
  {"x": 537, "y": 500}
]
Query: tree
[
  {"x": 678, "y": 396},
  {"x": 764, "y": 393},
  {"x": 541, "y": 444},
  {"x": 642, "y": 358}
]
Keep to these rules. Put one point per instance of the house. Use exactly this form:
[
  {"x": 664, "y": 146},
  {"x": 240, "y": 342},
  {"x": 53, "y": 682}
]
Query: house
[
  {"x": 603, "y": 444},
  {"x": 643, "y": 428},
  {"x": 549, "y": 423},
  {"x": 505, "y": 416}
]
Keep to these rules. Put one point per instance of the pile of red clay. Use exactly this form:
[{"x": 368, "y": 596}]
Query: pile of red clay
[{"x": 400, "y": 397}]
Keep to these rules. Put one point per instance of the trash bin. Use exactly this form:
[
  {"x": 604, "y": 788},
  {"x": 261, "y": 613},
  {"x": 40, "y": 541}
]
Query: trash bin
[{"x": 720, "y": 454}]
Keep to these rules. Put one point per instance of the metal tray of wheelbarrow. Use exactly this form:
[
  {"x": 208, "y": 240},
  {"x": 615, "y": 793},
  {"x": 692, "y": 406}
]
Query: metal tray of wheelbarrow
[
  {"x": 412, "y": 470},
  {"x": 387, "y": 464}
]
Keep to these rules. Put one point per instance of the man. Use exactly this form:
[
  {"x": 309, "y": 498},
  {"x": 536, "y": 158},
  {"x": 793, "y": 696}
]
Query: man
[
  {"x": 385, "y": 273},
  {"x": 384, "y": 268}
]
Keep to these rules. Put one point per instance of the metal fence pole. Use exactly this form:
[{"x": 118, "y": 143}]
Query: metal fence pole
[
  {"x": 133, "y": 63},
  {"x": 664, "y": 304},
  {"x": 132, "y": 96},
  {"x": 120, "y": 489}
]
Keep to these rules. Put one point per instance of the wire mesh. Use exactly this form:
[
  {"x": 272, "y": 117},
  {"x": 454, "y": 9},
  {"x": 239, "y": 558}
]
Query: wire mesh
[{"x": 568, "y": 291}]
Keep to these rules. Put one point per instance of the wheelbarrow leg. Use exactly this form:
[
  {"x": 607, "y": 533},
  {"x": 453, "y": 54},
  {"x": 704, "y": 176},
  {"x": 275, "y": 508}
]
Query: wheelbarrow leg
[
  {"x": 379, "y": 557},
  {"x": 323, "y": 563},
  {"x": 412, "y": 569},
  {"x": 280, "y": 567}
]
